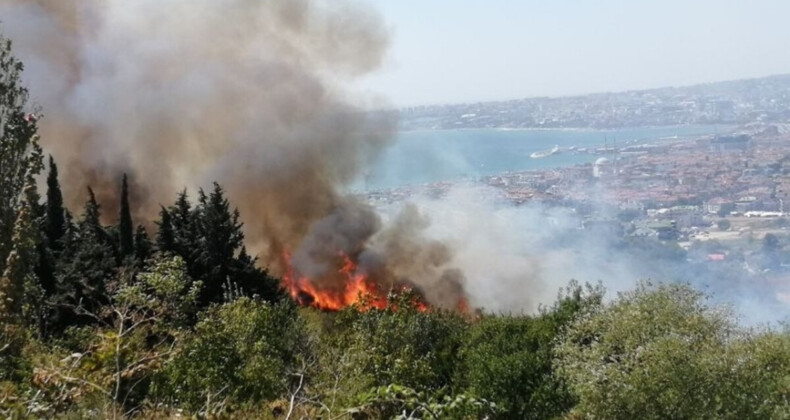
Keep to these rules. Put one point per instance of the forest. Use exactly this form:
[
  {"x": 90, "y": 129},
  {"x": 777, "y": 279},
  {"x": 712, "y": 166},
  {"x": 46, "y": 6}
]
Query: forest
[{"x": 175, "y": 318}]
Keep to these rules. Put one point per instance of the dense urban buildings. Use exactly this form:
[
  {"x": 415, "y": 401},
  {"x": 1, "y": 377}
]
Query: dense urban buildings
[{"x": 735, "y": 102}]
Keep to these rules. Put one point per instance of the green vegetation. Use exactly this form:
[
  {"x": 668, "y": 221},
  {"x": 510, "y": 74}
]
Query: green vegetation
[
  {"x": 658, "y": 352},
  {"x": 104, "y": 322}
]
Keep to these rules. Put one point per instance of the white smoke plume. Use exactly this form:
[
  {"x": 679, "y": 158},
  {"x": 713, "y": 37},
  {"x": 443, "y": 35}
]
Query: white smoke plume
[{"x": 515, "y": 258}]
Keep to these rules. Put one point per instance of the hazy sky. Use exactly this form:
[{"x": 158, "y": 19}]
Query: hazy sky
[{"x": 447, "y": 51}]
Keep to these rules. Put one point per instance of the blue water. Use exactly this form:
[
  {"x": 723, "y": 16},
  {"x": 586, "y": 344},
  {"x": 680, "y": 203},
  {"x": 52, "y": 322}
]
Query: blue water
[{"x": 418, "y": 157}]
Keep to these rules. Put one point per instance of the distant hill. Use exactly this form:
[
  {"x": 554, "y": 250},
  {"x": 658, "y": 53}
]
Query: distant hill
[{"x": 765, "y": 99}]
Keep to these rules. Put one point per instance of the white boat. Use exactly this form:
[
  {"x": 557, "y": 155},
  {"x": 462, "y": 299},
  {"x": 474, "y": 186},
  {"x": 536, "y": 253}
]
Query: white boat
[{"x": 538, "y": 155}]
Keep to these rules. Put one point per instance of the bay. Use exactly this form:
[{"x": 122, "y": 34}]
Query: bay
[{"x": 419, "y": 157}]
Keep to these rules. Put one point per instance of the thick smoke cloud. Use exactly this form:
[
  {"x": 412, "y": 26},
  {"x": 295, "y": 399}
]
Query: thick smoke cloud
[{"x": 248, "y": 93}]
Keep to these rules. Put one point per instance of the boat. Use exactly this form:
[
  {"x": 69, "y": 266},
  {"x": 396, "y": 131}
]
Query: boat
[{"x": 538, "y": 155}]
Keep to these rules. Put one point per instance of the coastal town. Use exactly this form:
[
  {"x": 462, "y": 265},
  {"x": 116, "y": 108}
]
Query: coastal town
[
  {"x": 720, "y": 201},
  {"x": 764, "y": 99}
]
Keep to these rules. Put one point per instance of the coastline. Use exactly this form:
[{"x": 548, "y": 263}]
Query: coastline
[{"x": 728, "y": 127}]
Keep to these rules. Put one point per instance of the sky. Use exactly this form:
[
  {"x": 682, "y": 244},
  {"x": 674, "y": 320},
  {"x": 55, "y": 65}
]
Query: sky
[{"x": 451, "y": 51}]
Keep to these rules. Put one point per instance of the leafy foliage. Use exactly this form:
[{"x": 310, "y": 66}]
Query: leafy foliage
[
  {"x": 508, "y": 359},
  {"x": 659, "y": 352},
  {"x": 20, "y": 154},
  {"x": 240, "y": 352},
  {"x": 411, "y": 404},
  {"x": 403, "y": 345},
  {"x": 101, "y": 321}
]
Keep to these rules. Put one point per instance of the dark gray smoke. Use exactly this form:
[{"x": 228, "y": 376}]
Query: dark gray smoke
[{"x": 249, "y": 93}]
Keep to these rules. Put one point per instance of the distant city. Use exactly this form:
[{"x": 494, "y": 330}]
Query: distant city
[
  {"x": 715, "y": 205},
  {"x": 765, "y": 99}
]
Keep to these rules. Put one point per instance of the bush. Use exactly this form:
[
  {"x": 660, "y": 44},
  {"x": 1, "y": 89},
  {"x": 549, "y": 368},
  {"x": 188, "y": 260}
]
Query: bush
[
  {"x": 508, "y": 359},
  {"x": 659, "y": 352},
  {"x": 404, "y": 346},
  {"x": 240, "y": 352}
]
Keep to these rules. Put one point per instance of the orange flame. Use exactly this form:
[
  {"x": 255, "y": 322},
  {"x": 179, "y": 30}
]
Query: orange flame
[{"x": 358, "y": 289}]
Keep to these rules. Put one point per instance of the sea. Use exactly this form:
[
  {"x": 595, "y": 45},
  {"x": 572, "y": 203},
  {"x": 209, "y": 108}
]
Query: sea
[{"x": 420, "y": 157}]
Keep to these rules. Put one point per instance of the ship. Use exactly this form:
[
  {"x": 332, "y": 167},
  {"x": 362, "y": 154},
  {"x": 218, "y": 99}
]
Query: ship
[{"x": 538, "y": 155}]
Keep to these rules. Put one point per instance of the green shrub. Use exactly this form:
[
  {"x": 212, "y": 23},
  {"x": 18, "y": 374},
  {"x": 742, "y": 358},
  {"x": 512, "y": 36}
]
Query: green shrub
[
  {"x": 239, "y": 353},
  {"x": 659, "y": 352},
  {"x": 508, "y": 359},
  {"x": 405, "y": 346}
]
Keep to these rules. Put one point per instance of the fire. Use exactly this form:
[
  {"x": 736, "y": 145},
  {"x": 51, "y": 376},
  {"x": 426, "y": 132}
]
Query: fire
[{"x": 358, "y": 288}]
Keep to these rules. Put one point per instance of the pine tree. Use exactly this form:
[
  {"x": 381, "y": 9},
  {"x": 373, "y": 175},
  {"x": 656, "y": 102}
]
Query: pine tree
[
  {"x": 86, "y": 268},
  {"x": 221, "y": 236},
  {"x": 210, "y": 240},
  {"x": 125, "y": 226},
  {"x": 253, "y": 280},
  {"x": 185, "y": 225},
  {"x": 55, "y": 224}
]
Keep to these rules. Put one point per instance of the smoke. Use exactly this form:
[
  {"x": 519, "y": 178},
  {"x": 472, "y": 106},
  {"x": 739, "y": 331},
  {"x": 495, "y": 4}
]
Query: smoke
[
  {"x": 515, "y": 258},
  {"x": 248, "y": 93},
  {"x": 252, "y": 94}
]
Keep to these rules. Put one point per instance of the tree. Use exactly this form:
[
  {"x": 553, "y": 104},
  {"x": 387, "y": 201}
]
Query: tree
[
  {"x": 185, "y": 229},
  {"x": 659, "y": 352},
  {"x": 220, "y": 233},
  {"x": 135, "y": 333},
  {"x": 508, "y": 359},
  {"x": 405, "y": 346},
  {"x": 19, "y": 272},
  {"x": 252, "y": 279},
  {"x": 20, "y": 294},
  {"x": 55, "y": 225},
  {"x": 87, "y": 266},
  {"x": 53, "y": 228},
  {"x": 20, "y": 154},
  {"x": 143, "y": 247},
  {"x": 165, "y": 237},
  {"x": 209, "y": 238},
  {"x": 240, "y": 352},
  {"x": 125, "y": 225},
  {"x": 723, "y": 224}
]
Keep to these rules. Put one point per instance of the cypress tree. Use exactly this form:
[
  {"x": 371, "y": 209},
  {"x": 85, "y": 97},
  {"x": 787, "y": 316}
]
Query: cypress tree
[
  {"x": 142, "y": 244},
  {"x": 125, "y": 226},
  {"x": 165, "y": 237},
  {"x": 55, "y": 224},
  {"x": 91, "y": 212}
]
